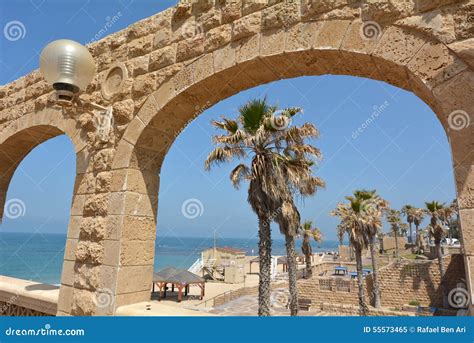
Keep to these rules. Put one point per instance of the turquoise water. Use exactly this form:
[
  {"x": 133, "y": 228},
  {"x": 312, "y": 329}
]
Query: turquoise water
[{"x": 39, "y": 257}]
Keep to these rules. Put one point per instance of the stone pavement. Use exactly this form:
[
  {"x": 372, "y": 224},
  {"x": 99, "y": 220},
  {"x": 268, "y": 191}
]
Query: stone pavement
[{"x": 248, "y": 306}]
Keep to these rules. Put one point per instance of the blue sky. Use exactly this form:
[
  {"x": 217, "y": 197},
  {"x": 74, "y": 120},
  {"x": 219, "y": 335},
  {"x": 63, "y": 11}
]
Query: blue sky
[{"x": 403, "y": 152}]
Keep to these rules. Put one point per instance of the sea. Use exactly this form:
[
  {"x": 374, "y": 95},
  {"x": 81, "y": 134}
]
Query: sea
[{"x": 39, "y": 257}]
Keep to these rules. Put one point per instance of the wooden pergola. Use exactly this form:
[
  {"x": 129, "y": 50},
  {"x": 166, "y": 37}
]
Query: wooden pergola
[{"x": 180, "y": 278}]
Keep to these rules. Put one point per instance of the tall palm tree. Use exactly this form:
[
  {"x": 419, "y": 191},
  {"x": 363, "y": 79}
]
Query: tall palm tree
[
  {"x": 308, "y": 233},
  {"x": 294, "y": 163},
  {"x": 418, "y": 216},
  {"x": 437, "y": 213},
  {"x": 373, "y": 207},
  {"x": 288, "y": 219},
  {"x": 280, "y": 166},
  {"x": 396, "y": 226},
  {"x": 352, "y": 224},
  {"x": 407, "y": 211}
]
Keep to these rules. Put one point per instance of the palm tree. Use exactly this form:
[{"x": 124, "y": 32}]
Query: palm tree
[
  {"x": 437, "y": 213},
  {"x": 294, "y": 161},
  {"x": 289, "y": 219},
  {"x": 373, "y": 207},
  {"x": 308, "y": 232},
  {"x": 407, "y": 211},
  {"x": 352, "y": 224},
  {"x": 418, "y": 216},
  {"x": 280, "y": 166},
  {"x": 396, "y": 226}
]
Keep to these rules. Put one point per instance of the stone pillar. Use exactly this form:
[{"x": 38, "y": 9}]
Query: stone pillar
[
  {"x": 455, "y": 96},
  {"x": 109, "y": 252}
]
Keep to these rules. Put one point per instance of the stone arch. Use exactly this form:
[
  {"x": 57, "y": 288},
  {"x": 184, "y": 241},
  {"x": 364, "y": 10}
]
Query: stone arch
[
  {"x": 402, "y": 57},
  {"x": 171, "y": 67},
  {"x": 25, "y": 134}
]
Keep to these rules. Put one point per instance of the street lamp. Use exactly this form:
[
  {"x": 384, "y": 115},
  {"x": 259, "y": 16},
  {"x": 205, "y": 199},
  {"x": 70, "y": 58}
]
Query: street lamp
[{"x": 69, "y": 67}]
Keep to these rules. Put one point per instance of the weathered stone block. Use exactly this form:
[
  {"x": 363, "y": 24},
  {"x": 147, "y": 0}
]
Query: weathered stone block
[
  {"x": 137, "y": 253},
  {"x": 103, "y": 182},
  {"x": 140, "y": 47},
  {"x": 96, "y": 205},
  {"x": 102, "y": 160},
  {"x": 163, "y": 57},
  {"x": 162, "y": 38},
  {"x": 301, "y": 36},
  {"x": 183, "y": 79},
  {"x": 190, "y": 48},
  {"x": 331, "y": 34},
  {"x": 211, "y": 19},
  {"x": 247, "y": 26},
  {"x": 134, "y": 279},
  {"x": 144, "y": 85},
  {"x": 224, "y": 58},
  {"x": 434, "y": 63},
  {"x": 123, "y": 111},
  {"x": 138, "y": 228},
  {"x": 231, "y": 11},
  {"x": 138, "y": 66},
  {"x": 217, "y": 37},
  {"x": 312, "y": 8},
  {"x": 272, "y": 42}
]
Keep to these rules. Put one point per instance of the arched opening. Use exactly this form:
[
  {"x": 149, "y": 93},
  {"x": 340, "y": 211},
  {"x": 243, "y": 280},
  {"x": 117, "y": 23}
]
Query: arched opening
[
  {"x": 37, "y": 172},
  {"x": 373, "y": 135},
  {"x": 402, "y": 57}
]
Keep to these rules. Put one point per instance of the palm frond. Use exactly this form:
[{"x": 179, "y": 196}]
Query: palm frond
[
  {"x": 252, "y": 114},
  {"x": 223, "y": 154},
  {"x": 229, "y": 125},
  {"x": 239, "y": 173}
]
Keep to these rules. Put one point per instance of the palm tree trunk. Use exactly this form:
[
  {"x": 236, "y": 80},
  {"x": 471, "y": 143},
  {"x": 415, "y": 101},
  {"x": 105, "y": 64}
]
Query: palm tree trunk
[
  {"x": 363, "y": 310},
  {"x": 265, "y": 255},
  {"x": 442, "y": 273},
  {"x": 411, "y": 234},
  {"x": 309, "y": 270},
  {"x": 375, "y": 273},
  {"x": 417, "y": 240},
  {"x": 397, "y": 254},
  {"x": 291, "y": 257}
]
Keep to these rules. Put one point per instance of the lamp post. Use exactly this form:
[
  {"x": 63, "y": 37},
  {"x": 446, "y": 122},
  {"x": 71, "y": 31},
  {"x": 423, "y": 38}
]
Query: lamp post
[{"x": 69, "y": 67}]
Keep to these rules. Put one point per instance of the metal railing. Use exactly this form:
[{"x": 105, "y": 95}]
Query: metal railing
[{"x": 226, "y": 295}]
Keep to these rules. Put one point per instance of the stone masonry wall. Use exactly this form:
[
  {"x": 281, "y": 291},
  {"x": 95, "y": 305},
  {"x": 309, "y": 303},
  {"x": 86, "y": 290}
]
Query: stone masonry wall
[
  {"x": 401, "y": 282},
  {"x": 162, "y": 72}
]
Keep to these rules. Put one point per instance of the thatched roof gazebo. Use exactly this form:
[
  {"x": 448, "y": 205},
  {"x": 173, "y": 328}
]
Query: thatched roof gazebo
[{"x": 179, "y": 278}]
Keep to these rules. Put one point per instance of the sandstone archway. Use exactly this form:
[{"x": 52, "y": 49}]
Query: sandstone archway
[
  {"x": 26, "y": 133},
  {"x": 165, "y": 70}
]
